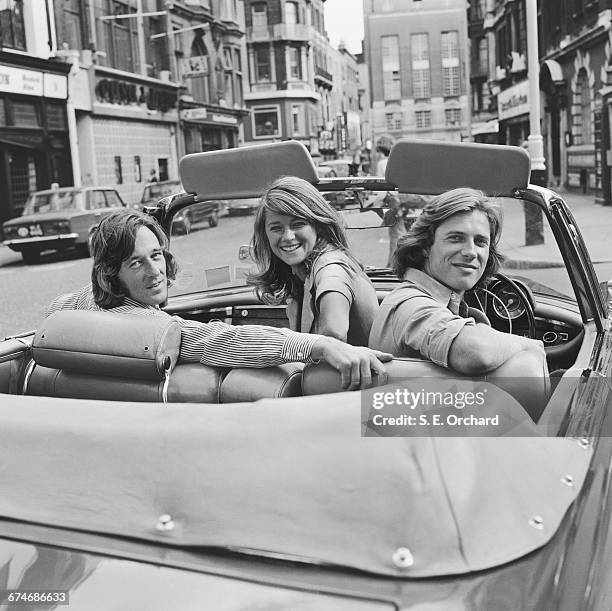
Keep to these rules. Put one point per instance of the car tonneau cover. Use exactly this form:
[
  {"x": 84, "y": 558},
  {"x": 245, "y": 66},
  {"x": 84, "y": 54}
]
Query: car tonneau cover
[
  {"x": 246, "y": 171},
  {"x": 431, "y": 167},
  {"x": 290, "y": 477}
]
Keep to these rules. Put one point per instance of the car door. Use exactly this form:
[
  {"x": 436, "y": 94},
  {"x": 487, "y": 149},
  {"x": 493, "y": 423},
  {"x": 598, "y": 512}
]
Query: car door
[{"x": 82, "y": 216}]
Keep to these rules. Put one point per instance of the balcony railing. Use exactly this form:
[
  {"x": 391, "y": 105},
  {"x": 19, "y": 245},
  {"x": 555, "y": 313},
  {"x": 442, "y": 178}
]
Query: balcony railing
[
  {"x": 323, "y": 74},
  {"x": 265, "y": 86},
  {"x": 291, "y": 31},
  {"x": 279, "y": 31},
  {"x": 259, "y": 33}
]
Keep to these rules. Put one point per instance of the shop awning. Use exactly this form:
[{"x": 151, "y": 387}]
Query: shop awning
[{"x": 488, "y": 127}]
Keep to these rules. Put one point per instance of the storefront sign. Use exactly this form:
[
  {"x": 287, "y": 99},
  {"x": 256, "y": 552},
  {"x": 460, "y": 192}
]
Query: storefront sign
[
  {"x": 114, "y": 91},
  {"x": 513, "y": 101},
  {"x": 192, "y": 114},
  {"x": 224, "y": 119},
  {"x": 32, "y": 82},
  {"x": 194, "y": 66},
  {"x": 16, "y": 80},
  {"x": 55, "y": 86}
]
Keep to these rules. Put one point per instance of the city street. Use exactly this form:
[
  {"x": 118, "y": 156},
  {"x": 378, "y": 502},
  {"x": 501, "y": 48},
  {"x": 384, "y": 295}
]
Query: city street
[{"x": 27, "y": 289}]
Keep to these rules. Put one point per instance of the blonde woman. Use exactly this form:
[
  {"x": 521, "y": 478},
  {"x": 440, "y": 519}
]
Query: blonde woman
[{"x": 300, "y": 247}]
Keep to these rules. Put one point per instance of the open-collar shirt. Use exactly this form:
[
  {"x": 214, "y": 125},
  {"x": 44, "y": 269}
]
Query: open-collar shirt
[{"x": 416, "y": 320}]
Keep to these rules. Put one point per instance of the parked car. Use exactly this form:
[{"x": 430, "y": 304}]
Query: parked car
[
  {"x": 127, "y": 485},
  {"x": 242, "y": 207},
  {"x": 188, "y": 219},
  {"x": 335, "y": 167},
  {"x": 154, "y": 191},
  {"x": 59, "y": 219},
  {"x": 184, "y": 221}
]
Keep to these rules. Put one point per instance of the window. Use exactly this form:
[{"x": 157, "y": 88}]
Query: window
[
  {"x": 584, "y": 119},
  {"x": 68, "y": 25},
  {"x": 390, "y": 67},
  {"x": 266, "y": 121},
  {"x": 450, "y": 63},
  {"x": 12, "y": 29},
  {"x": 259, "y": 16},
  {"x": 162, "y": 167},
  {"x": 3, "y": 119},
  {"x": 423, "y": 118},
  {"x": 118, "y": 170},
  {"x": 56, "y": 116},
  {"x": 238, "y": 91},
  {"x": 295, "y": 65},
  {"x": 25, "y": 114},
  {"x": 97, "y": 200},
  {"x": 421, "y": 75},
  {"x": 452, "y": 116},
  {"x": 297, "y": 116},
  {"x": 291, "y": 13},
  {"x": 137, "y": 169},
  {"x": 120, "y": 37},
  {"x": 198, "y": 77},
  {"x": 112, "y": 199},
  {"x": 262, "y": 63},
  {"x": 393, "y": 120}
]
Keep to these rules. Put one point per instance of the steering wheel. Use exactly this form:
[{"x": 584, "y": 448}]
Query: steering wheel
[{"x": 508, "y": 299}]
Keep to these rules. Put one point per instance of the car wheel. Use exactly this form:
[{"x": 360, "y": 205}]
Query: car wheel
[
  {"x": 213, "y": 220},
  {"x": 30, "y": 256}
]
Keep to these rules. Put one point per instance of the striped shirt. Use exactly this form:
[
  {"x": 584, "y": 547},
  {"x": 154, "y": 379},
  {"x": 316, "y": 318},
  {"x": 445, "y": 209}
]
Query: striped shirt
[{"x": 212, "y": 343}]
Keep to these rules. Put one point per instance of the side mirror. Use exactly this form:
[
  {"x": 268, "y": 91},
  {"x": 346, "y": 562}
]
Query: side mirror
[{"x": 245, "y": 253}]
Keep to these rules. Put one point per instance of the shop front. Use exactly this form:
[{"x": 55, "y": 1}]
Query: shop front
[
  {"x": 130, "y": 136},
  {"x": 210, "y": 129},
  {"x": 513, "y": 114},
  {"x": 34, "y": 142}
]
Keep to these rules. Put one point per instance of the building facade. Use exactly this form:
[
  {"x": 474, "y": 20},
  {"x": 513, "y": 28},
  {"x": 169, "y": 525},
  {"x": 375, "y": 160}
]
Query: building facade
[
  {"x": 345, "y": 101},
  {"x": 143, "y": 97},
  {"x": 286, "y": 48},
  {"x": 416, "y": 54},
  {"x": 575, "y": 50},
  {"x": 209, "y": 53},
  {"x": 575, "y": 56},
  {"x": 34, "y": 135},
  {"x": 363, "y": 106}
]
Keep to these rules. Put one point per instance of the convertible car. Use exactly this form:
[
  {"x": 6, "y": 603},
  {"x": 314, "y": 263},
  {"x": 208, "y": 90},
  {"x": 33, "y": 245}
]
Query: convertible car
[{"x": 131, "y": 481}]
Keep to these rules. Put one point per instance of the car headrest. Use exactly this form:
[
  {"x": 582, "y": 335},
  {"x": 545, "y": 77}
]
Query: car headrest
[{"x": 107, "y": 344}]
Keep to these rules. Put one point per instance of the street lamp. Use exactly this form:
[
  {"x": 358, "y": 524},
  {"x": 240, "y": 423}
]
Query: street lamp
[{"x": 534, "y": 229}]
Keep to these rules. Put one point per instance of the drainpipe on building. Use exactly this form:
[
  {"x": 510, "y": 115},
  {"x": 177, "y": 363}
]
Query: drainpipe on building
[{"x": 72, "y": 56}]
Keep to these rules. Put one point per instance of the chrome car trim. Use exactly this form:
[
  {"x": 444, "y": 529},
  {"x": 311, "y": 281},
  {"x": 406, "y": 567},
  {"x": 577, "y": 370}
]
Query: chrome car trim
[
  {"x": 165, "y": 386},
  {"x": 28, "y": 375},
  {"x": 45, "y": 238}
]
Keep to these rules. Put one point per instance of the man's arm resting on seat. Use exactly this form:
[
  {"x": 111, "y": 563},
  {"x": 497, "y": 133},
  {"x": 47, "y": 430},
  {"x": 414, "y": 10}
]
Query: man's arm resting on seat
[{"x": 478, "y": 349}]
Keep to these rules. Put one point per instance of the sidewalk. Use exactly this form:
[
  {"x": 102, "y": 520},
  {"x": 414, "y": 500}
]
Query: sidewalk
[{"x": 594, "y": 223}]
